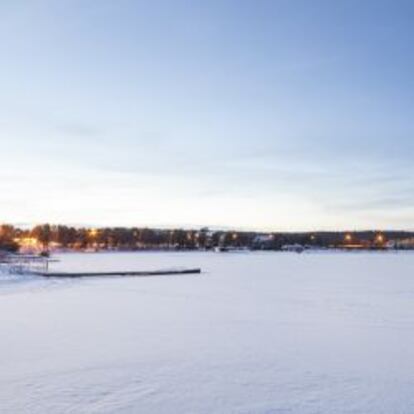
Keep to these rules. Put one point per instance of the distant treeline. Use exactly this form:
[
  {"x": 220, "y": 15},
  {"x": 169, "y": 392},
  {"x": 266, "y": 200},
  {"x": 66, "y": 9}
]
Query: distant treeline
[{"x": 120, "y": 238}]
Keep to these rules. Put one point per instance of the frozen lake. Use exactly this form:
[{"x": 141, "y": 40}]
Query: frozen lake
[{"x": 256, "y": 333}]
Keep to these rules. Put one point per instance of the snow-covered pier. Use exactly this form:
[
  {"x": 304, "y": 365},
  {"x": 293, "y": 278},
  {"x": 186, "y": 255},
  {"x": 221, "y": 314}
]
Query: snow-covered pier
[
  {"x": 166, "y": 272},
  {"x": 39, "y": 265}
]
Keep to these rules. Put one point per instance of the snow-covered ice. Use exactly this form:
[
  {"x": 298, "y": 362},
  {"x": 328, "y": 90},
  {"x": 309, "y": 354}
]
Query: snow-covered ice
[{"x": 256, "y": 333}]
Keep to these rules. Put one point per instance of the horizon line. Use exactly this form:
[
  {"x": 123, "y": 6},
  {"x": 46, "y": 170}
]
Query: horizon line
[{"x": 25, "y": 226}]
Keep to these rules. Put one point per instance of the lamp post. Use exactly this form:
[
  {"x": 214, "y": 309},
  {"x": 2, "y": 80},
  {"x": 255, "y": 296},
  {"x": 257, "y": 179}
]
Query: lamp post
[
  {"x": 93, "y": 233},
  {"x": 380, "y": 239}
]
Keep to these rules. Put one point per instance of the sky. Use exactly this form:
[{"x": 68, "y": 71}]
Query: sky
[{"x": 271, "y": 115}]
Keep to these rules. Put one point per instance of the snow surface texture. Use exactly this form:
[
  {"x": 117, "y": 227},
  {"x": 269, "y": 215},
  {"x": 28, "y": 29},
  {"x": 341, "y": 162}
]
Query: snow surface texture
[{"x": 256, "y": 333}]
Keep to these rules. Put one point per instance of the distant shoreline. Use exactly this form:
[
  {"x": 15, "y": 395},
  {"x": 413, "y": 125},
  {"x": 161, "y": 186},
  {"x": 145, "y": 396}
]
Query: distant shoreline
[{"x": 49, "y": 237}]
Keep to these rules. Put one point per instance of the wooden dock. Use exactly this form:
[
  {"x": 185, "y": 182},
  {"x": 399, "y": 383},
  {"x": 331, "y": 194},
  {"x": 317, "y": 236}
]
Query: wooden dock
[{"x": 121, "y": 273}]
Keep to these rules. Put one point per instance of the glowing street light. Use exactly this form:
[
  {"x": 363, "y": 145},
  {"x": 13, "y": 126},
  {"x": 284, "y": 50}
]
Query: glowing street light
[
  {"x": 348, "y": 237},
  {"x": 93, "y": 232}
]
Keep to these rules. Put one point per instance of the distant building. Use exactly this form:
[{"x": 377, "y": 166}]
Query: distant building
[
  {"x": 297, "y": 248},
  {"x": 406, "y": 244},
  {"x": 263, "y": 242}
]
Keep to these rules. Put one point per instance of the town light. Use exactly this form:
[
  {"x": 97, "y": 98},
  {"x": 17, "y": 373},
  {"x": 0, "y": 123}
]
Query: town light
[
  {"x": 93, "y": 232},
  {"x": 26, "y": 242},
  {"x": 348, "y": 237}
]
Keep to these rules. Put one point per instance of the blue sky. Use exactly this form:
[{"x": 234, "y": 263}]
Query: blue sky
[{"x": 274, "y": 115}]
